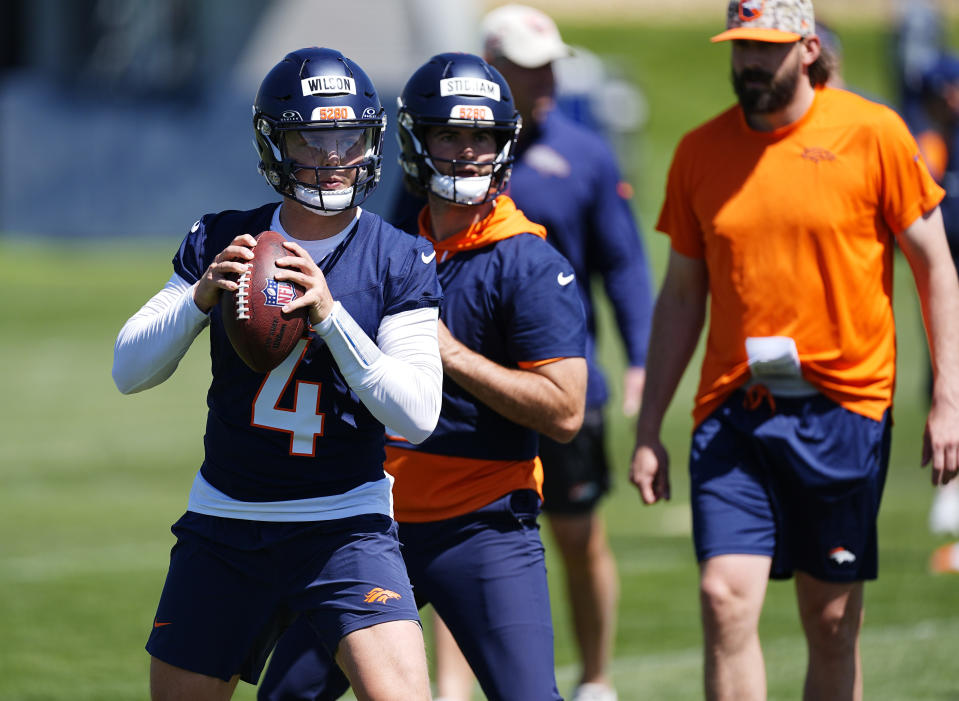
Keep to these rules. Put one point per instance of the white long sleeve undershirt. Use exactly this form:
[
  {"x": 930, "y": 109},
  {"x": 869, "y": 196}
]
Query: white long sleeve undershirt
[
  {"x": 152, "y": 343},
  {"x": 400, "y": 381}
]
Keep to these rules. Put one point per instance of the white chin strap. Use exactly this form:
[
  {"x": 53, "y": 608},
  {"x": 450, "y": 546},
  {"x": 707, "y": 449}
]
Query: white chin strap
[
  {"x": 332, "y": 201},
  {"x": 466, "y": 190}
]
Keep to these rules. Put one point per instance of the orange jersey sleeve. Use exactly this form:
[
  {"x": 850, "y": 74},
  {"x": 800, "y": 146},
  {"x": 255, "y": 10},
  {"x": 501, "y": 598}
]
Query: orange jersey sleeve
[{"x": 796, "y": 229}]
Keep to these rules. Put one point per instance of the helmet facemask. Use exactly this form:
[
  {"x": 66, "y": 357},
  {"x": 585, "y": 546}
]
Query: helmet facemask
[
  {"x": 426, "y": 168},
  {"x": 318, "y": 128},
  {"x": 458, "y": 91},
  {"x": 325, "y": 168}
]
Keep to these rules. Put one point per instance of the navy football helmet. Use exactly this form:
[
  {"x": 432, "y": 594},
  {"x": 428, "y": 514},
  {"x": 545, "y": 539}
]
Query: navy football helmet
[
  {"x": 318, "y": 128},
  {"x": 460, "y": 90}
]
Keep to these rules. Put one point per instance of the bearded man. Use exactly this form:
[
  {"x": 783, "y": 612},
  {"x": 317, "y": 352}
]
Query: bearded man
[{"x": 783, "y": 212}]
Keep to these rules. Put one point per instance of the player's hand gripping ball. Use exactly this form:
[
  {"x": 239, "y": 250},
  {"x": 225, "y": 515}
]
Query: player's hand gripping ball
[{"x": 261, "y": 334}]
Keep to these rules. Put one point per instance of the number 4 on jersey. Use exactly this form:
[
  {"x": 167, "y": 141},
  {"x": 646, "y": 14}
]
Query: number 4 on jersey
[{"x": 303, "y": 422}]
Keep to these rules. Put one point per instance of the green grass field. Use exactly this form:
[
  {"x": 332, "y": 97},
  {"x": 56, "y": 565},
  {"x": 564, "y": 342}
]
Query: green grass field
[{"x": 92, "y": 480}]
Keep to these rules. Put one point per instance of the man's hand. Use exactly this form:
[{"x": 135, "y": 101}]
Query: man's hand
[
  {"x": 940, "y": 441},
  {"x": 231, "y": 261},
  {"x": 649, "y": 471},
  {"x": 634, "y": 380},
  {"x": 300, "y": 269}
]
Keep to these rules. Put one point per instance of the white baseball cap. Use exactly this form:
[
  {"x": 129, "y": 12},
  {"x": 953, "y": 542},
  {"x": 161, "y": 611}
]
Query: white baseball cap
[{"x": 522, "y": 34}]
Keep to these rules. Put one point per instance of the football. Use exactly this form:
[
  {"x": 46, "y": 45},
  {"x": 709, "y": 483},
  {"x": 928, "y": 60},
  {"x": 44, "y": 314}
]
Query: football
[{"x": 261, "y": 334}]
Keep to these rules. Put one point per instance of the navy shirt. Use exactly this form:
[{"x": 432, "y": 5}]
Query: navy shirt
[
  {"x": 950, "y": 204},
  {"x": 566, "y": 178},
  {"x": 507, "y": 302},
  {"x": 253, "y": 418}
]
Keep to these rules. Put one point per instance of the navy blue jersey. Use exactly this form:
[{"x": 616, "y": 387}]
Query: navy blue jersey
[
  {"x": 306, "y": 434},
  {"x": 566, "y": 178},
  {"x": 950, "y": 204},
  {"x": 507, "y": 302}
]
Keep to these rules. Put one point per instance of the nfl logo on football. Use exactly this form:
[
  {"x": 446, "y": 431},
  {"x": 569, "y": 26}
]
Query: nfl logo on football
[{"x": 278, "y": 294}]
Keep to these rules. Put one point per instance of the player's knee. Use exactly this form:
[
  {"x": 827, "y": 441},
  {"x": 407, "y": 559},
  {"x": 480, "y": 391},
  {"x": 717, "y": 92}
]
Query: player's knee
[
  {"x": 724, "y": 608},
  {"x": 835, "y": 628}
]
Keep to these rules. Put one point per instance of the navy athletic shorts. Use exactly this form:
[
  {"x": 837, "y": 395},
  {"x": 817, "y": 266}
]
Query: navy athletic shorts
[
  {"x": 301, "y": 670},
  {"x": 485, "y": 575},
  {"x": 797, "y": 479},
  {"x": 575, "y": 474},
  {"x": 234, "y": 585}
]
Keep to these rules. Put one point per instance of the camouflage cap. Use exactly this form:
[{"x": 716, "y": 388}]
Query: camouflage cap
[{"x": 779, "y": 21}]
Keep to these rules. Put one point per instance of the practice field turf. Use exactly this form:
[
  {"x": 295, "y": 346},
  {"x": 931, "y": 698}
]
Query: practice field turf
[{"x": 92, "y": 480}]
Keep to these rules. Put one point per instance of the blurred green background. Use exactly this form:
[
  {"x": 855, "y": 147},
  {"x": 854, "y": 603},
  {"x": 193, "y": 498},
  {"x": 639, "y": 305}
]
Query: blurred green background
[{"x": 92, "y": 480}]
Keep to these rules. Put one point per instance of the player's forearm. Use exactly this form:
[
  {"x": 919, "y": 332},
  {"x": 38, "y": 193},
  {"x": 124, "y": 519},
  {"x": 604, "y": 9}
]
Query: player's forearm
[
  {"x": 677, "y": 323},
  {"x": 525, "y": 397},
  {"x": 152, "y": 342},
  {"x": 406, "y": 396},
  {"x": 631, "y": 298},
  {"x": 623, "y": 265},
  {"x": 401, "y": 382},
  {"x": 925, "y": 247},
  {"x": 939, "y": 296}
]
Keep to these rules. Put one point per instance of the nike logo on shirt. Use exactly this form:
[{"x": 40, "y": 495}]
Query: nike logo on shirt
[
  {"x": 428, "y": 258},
  {"x": 564, "y": 280}
]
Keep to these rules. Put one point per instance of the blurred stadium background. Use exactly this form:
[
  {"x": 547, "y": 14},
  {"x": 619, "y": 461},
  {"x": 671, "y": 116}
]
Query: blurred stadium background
[{"x": 121, "y": 121}]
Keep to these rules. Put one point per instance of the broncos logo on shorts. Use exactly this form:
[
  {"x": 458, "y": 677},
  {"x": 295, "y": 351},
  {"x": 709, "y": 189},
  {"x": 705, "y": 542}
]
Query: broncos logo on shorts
[{"x": 381, "y": 595}]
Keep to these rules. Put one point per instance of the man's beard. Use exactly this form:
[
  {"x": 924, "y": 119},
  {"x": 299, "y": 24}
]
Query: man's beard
[{"x": 772, "y": 97}]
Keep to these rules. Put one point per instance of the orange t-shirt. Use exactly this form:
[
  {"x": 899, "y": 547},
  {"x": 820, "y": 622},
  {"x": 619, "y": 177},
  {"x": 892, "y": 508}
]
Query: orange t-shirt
[{"x": 795, "y": 227}]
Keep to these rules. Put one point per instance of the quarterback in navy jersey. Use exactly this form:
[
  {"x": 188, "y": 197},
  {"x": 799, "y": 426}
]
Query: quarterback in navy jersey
[
  {"x": 290, "y": 514},
  {"x": 512, "y": 341}
]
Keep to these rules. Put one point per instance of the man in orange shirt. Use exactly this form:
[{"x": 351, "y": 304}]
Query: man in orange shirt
[{"x": 782, "y": 211}]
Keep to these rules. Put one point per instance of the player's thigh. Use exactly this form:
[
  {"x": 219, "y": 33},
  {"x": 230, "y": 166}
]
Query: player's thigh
[
  {"x": 386, "y": 661},
  {"x": 833, "y": 465},
  {"x": 301, "y": 668},
  {"x": 490, "y": 587},
  {"x": 220, "y": 609},
  {"x": 730, "y": 490},
  {"x": 580, "y": 537},
  {"x": 169, "y": 683},
  {"x": 363, "y": 583}
]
